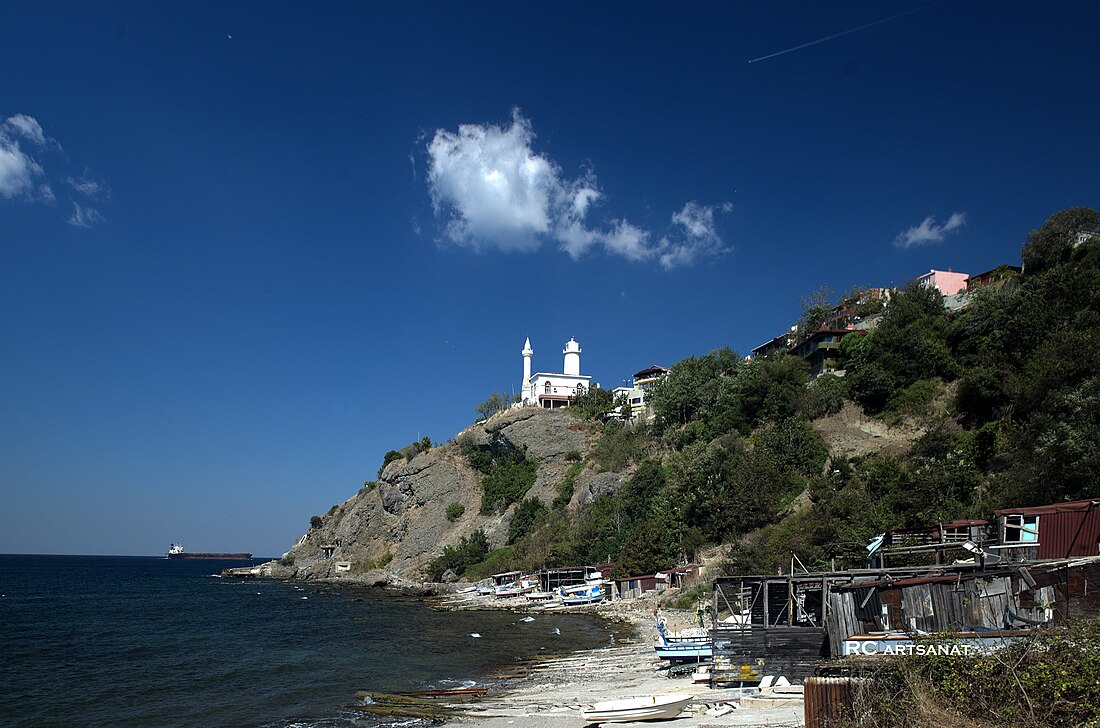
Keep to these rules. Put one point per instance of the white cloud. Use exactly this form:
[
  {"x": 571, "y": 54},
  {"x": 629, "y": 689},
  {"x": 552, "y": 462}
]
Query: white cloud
[
  {"x": 24, "y": 178},
  {"x": 84, "y": 216},
  {"x": 89, "y": 187},
  {"x": 929, "y": 232},
  {"x": 18, "y": 172},
  {"x": 28, "y": 128},
  {"x": 495, "y": 192},
  {"x": 693, "y": 235}
]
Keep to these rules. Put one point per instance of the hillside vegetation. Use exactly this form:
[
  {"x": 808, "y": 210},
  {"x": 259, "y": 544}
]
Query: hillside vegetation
[{"x": 995, "y": 405}]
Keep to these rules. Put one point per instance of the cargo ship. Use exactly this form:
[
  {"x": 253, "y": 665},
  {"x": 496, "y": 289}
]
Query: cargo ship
[{"x": 176, "y": 552}]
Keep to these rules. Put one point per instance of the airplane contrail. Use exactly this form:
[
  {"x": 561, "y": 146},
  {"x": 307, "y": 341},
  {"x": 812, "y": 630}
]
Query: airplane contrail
[{"x": 849, "y": 31}]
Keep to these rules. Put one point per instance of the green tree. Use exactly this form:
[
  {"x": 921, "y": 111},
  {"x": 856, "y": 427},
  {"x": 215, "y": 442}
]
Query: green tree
[
  {"x": 524, "y": 518},
  {"x": 1053, "y": 243},
  {"x": 495, "y": 402},
  {"x": 592, "y": 404}
]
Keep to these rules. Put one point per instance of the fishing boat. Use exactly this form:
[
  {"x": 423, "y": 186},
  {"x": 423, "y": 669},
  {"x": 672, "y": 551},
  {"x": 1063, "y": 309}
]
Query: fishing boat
[
  {"x": 593, "y": 591},
  {"x": 690, "y": 644},
  {"x": 650, "y": 707},
  {"x": 587, "y": 593},
  {"x": 516, "y": 588}
]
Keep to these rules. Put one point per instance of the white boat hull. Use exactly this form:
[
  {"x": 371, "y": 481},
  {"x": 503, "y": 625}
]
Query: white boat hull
[{"x": 652, "y": 707}]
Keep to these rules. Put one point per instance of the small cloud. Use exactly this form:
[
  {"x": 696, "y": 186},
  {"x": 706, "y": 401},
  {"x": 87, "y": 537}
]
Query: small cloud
[
  {"x": 929, "y": 232},
  {"x": 91, "y": 188},
  {"x": 19, "y": 173},
  {"x": 23, "y": 177},
  {"x": 28, "y": 128},
  {"x": 694, "y": 235},
  {"x": 84, "y": 216}
]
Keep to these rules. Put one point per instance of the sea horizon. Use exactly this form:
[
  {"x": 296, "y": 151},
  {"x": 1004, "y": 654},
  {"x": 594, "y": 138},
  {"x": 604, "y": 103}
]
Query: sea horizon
[{"x": 102, "y": 640}]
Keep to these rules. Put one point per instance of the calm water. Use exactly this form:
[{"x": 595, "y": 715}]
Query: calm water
[{"x": 135, "y": 641}]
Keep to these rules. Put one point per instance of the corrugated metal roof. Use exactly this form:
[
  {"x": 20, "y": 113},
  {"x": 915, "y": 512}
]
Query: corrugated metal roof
[
  {"x": 1078, "y": 505},
  {"x": 1066, "y": 534}
]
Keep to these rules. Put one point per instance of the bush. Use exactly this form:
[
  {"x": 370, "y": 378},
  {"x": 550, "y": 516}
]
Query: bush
[
  {"x": 509, "y": 479},
  {"x": 1050, "y": 678},
  {"x": 567, "y": 484},
  {"x": 822, "y": 397},
  {"x": 619, "y": 446},
  {"x": 524, "y": 518},
  {"x": 573, "y": 456},
  {"x": 455, "y": 511},
  {"x": 495, "y": 562},
  {"x": 916, "y": 399},
  {"x": 315, "y": 522},
  {"x": 468, "y": 552},
  {"x": 595, "y": 403},
  {"x": 388, "y": 458}
]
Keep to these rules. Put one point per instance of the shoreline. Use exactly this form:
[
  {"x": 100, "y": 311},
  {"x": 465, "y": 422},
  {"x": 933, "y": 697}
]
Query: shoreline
[{"x": 551, "y": 692}]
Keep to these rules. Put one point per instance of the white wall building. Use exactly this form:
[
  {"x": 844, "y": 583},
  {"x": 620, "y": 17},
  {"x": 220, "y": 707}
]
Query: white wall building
[{"x": 551, "y": 390}]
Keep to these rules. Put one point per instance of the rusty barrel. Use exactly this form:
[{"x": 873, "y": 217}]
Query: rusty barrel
[{"x": 828, "y": 698}]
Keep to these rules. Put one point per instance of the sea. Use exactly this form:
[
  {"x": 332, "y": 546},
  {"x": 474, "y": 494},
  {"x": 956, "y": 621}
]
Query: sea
[{"x": 144, "y": 641}]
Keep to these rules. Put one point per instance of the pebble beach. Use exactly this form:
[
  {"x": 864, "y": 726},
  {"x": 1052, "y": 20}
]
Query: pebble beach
[{"x": 552, "y": 693}]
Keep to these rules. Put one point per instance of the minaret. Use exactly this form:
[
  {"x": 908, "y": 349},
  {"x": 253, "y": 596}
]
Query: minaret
[
  {"x": 526, "y": 393},
  {"x": 572, "y": 353}
]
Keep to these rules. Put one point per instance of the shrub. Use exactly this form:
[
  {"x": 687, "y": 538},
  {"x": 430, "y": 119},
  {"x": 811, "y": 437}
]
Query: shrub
[
  {"x": 573, "y": 456},
  {"x": 822, "y": 397},
  {"x": 468, "y": 552},
  {"x": 1047, "y": 679},
  {"x": 455, "y": 511},
  {"x": 495, "y": 562},
  {"x": 388, "y": 458},
  {"x": 567, "y": 484},
  {"x": 619, "y": 446},
  {"x": 509, "y": 479},
  {"x": 315, "y": 522},
  {"x": 917, "y": 398},
  {"x": 524, "y": 518}
]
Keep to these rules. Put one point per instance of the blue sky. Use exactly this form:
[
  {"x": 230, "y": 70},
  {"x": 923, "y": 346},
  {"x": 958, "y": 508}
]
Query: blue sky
[{"x": 247, "y": 248}]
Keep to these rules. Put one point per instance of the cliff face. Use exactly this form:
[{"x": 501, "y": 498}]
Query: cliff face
[{"x": 386, "y": 534}]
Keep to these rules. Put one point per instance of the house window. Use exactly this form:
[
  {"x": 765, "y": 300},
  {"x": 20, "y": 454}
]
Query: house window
[
  {"x": 1021, "y": 529},
  {"x": 580, "y": 390},
  {"x": 547, "y": 388}
]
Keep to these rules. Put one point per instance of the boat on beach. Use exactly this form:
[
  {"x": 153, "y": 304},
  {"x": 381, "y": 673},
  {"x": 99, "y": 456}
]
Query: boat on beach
[
  {"x": 690, "y": 644},
  {"x": 650, "y": 707},
  {"x": 588, "y": 593},
  {"x": 592, "y": 591}
]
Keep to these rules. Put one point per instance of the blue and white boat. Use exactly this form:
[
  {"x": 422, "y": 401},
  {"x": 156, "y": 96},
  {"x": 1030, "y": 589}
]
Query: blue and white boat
[
  {"x": 691, "y": 644},
  {"x": 587, "y": 593},
  {"x": 593, "y": 591}
]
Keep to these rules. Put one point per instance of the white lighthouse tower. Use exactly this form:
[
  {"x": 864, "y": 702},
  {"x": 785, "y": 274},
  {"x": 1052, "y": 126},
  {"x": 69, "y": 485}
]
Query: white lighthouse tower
[
  {"x": 527, "y": 394},
  {"x": 572, "y": 351}
]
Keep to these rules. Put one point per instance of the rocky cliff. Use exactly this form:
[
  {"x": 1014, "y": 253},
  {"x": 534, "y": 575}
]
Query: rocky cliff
[{"x": 388, "y": 532}]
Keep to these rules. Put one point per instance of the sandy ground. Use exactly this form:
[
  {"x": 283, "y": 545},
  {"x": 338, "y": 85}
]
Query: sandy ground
[{"x": 551, "y": 694}]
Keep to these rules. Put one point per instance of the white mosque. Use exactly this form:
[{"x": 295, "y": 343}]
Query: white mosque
[{"x": 551, "y": 390}]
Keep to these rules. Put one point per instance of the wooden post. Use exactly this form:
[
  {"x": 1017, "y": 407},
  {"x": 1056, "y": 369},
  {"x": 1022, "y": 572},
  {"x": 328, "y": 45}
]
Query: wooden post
[{"x": 767, "y": 612}]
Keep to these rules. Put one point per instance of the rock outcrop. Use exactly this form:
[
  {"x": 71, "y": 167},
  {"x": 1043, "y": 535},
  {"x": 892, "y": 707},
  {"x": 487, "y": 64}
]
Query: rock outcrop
[{"x": 386, "y": 533}]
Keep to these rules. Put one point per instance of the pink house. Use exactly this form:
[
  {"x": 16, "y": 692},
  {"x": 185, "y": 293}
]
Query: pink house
[{"x": 947, "y": 282}]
